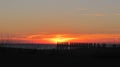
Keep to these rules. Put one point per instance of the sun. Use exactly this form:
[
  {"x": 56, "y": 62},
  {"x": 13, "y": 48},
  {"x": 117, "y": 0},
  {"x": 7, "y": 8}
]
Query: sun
[{"x": 59, "y": 39}]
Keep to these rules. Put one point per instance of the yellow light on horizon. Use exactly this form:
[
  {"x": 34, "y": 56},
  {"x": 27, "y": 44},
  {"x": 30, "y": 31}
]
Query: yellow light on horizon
[{"x": 59, "y": 39}]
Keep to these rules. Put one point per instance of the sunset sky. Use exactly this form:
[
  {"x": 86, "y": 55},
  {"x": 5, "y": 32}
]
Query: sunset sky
[{"x": 81, "y": 20}]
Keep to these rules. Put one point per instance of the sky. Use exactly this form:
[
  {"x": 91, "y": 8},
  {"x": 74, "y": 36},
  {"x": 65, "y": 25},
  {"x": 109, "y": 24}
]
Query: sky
[{"x": 24, "y": 18}]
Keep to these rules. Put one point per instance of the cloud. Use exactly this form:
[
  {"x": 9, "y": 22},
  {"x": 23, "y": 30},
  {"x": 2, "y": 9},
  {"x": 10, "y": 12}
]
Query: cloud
[
  {"x": 82, "y": 9},
  {"x": 40, "y": 38},
  {"x": 117, "y": 14},
  {"x": 117, "y": 9},
  {"x": 97, "y": 14}
]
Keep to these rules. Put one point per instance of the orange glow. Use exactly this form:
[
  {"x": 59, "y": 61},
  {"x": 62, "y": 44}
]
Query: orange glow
[
  {"x": 54, "y": 38},
  {"x": 59, "y": 38}
]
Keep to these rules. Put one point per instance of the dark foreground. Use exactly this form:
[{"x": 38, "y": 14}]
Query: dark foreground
[{"x": 90, "y": 57}]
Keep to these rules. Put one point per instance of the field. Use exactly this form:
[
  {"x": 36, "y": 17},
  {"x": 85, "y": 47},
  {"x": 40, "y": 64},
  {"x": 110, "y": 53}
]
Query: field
[{"x": 82, "y": 56}]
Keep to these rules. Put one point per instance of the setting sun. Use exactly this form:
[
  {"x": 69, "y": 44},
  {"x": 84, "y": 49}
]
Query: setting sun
[{"x": 59, "y": 38}]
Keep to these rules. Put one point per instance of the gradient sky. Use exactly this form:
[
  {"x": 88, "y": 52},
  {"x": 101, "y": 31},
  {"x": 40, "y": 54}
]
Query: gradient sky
[{"x": 60, "y": 16}]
